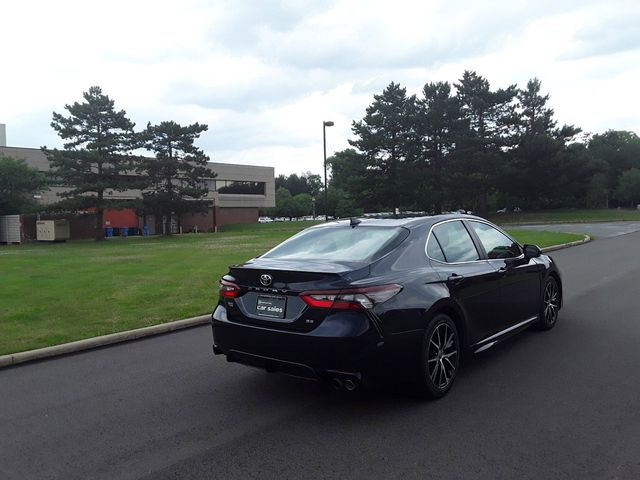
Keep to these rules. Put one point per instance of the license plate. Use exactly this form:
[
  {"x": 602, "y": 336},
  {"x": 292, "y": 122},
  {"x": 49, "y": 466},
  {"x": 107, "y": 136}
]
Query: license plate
[{"x": 271, "y": 306}]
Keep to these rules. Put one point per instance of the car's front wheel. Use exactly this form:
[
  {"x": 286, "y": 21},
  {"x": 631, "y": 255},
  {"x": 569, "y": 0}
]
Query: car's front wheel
[
  {"x": 550, "y": 306},
  {"x": 440, "y": 357}
]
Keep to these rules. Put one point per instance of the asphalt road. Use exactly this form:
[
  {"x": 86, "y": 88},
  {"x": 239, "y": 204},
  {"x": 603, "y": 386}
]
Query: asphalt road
[
  {"x": 596, "y": 229},
  {"x": 559, "y": 404}
]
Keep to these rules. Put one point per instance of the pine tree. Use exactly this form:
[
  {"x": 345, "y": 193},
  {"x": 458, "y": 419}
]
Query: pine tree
[
  {"x": 95, "y": 159},
  {"x": 491, "y": 120},
  {"x": 539, "y": 163},
  {"x": 384, "y": 137},
  {"x": 536, "y": 118},
  {"x": 437, "y": 126},
  {"x": 175, "y": 176}
]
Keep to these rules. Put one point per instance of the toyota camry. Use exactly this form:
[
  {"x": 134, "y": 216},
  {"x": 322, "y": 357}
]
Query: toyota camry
[{"x": 353, "y": 299}]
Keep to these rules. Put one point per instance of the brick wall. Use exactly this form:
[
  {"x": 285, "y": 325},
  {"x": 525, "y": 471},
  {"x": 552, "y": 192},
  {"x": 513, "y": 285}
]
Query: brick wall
[
  {"x": 233, "y": 216},
  {"x": 80, "y": 226},
  {"x": 204, "y": 221},
  {"x": 83, "y": 226},
  {"x": 220, "y": 216}
]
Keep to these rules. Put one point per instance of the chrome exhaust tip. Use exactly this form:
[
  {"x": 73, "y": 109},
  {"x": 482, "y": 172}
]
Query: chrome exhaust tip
[
  {"x": 350, "y": 385},
  {"x": 337, "y": 383}
]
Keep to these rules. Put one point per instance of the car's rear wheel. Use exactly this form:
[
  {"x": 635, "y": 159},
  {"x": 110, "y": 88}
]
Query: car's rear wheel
[
  {"x": 550, "y": 306},
  {"x": 440, "y": 357}
]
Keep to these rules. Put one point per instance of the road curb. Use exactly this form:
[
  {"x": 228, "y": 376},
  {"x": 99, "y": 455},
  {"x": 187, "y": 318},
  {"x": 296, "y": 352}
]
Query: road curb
[
  {"x": 586, "y": 239},
  {"x": 95, "y": 342}
]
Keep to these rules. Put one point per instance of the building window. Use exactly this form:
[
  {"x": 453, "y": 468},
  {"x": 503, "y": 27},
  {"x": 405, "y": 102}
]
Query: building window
[{"x": 240, "y": 188}]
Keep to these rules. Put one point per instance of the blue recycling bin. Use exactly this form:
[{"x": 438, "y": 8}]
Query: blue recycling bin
[
  {"x": 124, "y": 231},
  {"x": 145, "y": 230},
  {"x": 109, "y": 231}
]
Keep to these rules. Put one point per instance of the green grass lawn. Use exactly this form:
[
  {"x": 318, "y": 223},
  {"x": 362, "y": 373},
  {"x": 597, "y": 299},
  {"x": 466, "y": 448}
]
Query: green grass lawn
[
  {"x": 56, "y": 293},
  {"x": 566, "y": 216},
  {"x": 543, "y": 238}
]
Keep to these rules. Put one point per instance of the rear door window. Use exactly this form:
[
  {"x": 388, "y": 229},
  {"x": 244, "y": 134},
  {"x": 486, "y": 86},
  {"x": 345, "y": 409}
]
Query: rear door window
[{"x": 455, "y": 242}]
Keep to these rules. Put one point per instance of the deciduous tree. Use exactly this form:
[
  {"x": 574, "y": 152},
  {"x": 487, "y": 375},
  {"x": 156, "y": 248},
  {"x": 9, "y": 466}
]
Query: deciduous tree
[
  {"x": 614, "y": 152},
  {"x": 18, "y": 183},
  {"x": 628, "y": 191},
  {"x": 305, "y": 183},
  {"x": 350, "y": 173}
]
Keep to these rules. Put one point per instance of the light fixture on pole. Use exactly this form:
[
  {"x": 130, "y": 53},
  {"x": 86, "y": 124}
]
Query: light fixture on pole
[{"x": 324, "y": 143}]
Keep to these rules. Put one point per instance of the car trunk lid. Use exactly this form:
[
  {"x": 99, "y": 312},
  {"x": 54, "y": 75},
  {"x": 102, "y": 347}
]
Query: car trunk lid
[{"x": 270, "y": 289}]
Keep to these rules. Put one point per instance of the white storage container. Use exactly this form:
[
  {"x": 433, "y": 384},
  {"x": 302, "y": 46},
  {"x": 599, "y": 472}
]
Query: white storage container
[
  {"x": 10, "y": 229},
  {"x": 52, "y": 230}
]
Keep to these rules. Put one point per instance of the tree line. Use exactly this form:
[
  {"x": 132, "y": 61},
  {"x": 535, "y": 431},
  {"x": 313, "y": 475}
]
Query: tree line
[
  {"x": 99, "y": 157},
  {"x": 302, "y": 195},
  {"x": 296, "y": 195},
  {"x": 471, "y": 146},
  {"x": 479, "y": 148},
  {"x": 461, "y": 145}
]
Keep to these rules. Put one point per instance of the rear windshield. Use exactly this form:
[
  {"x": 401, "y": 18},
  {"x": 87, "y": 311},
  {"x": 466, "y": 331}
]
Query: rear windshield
[{"x": 340, "y": 244}]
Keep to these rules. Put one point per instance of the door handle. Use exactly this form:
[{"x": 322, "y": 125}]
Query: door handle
[{"x": 455, "y": 279}]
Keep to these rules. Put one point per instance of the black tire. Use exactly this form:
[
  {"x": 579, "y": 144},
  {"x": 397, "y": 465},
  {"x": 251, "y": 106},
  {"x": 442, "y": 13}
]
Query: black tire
[
  {"x": 439, "y": 358},
  {"x": 549, "y": 304}
]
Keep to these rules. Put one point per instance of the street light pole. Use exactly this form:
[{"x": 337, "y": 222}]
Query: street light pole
[{"x": 324, "y": 143}]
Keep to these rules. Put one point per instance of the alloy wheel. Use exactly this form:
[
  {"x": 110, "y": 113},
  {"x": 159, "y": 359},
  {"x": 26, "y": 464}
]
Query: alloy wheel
[
  {"x": 551, "y": 302},
  {"x": 442, "y": 357}
]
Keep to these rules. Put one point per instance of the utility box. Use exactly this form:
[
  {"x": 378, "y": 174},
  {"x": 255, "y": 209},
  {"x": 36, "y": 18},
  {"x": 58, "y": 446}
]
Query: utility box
[
  {"x": 10, "y": 229},
  {"x": 52, "y": 230}
]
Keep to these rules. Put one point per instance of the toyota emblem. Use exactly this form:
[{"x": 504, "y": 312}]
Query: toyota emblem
[{"x": 266, "y": 279}]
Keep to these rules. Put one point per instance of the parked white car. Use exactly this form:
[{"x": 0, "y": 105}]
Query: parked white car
[{"x": 265, "y": 220}]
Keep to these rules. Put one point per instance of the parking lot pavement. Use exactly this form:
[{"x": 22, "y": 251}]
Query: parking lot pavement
[{"x": 596, "y": 229}]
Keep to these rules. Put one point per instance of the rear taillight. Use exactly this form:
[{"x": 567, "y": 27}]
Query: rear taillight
[
  {"x": 351, "y": 299},
  {"x": 228, "y": 289}
]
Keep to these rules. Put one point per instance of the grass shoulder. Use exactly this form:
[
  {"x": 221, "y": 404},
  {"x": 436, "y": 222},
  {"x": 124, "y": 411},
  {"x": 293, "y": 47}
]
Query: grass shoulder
[
  {"x": 544, "y": 238},
  {"x": 565, "y": 216}
]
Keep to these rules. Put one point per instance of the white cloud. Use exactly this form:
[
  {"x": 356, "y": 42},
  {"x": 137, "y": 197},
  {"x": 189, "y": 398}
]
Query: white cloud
[{"x": 265, "y": 74}]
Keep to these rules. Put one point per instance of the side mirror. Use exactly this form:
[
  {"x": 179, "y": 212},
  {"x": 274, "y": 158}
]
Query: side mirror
[{"x": 531, "y": 251}]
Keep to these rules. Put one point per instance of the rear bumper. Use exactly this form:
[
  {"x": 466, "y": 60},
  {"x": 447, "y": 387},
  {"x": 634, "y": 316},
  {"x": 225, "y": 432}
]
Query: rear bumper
[{"x": 346, "y": 343}]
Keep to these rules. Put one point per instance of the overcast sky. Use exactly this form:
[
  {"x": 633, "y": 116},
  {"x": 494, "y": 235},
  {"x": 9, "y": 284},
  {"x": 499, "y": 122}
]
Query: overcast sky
[{"x": 265, "y": 74}]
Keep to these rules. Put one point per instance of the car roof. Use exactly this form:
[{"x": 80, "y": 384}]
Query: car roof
[{"x": 408, "y": 222}]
